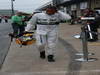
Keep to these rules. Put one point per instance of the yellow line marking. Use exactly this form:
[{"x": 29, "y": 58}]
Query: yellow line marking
[{"x": 94, "y": 44}]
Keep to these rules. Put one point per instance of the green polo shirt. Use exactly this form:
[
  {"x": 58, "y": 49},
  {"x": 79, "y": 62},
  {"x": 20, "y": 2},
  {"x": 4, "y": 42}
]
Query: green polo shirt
[{"x": 17, "y": 19}]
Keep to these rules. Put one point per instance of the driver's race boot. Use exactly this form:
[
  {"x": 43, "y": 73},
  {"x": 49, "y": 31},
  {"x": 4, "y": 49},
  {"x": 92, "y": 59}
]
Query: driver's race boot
[
  {"x": 42, "y": 55},
  {"x": 51, "y": 58}
]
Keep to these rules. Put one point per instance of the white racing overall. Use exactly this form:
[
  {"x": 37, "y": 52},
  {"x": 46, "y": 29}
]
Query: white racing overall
[{"x": 47, "y": 30}]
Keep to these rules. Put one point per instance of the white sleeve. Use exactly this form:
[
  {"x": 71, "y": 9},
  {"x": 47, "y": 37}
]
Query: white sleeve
[
  {"x": 31, "y": 24},
  {"x": 28, "y": 27},
  {"x": 64, "y": 16}
]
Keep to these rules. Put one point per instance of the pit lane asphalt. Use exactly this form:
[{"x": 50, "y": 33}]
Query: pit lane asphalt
[{"x": 5, "y": 29}]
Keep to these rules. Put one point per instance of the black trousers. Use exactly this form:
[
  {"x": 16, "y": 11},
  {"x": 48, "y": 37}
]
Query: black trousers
[
  {"x": 18, "y": 29},
  {"x": 94, "y": 29},
  {"x": 0, "y": 20}
]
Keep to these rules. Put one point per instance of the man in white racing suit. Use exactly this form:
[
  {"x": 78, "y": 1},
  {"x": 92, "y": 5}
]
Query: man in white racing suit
[{"x": 47, "y": 30}]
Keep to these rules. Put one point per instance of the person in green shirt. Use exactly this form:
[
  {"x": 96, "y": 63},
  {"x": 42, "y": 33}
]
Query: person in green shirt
[{"x": 18, "y": 23}]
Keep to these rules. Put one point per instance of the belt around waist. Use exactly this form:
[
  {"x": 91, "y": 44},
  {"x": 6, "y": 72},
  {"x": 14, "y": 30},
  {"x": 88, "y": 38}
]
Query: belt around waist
[{"x": 48, "y": 23}]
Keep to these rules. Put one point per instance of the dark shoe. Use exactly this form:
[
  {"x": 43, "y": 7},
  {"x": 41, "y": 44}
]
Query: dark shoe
[
  {"x": 11, "y": 34},
  {"x": 42, "y": 55},
  {"x": 93, "y": 40},
  {"x": 51, "y": 58}
]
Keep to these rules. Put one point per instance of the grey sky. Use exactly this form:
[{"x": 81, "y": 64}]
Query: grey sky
[{"x": 22, "y": 5}]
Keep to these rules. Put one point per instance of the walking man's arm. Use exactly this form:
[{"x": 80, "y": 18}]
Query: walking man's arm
[
  {"x": 63, "y": 16},
  {"x": 31, "y": 24}
]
